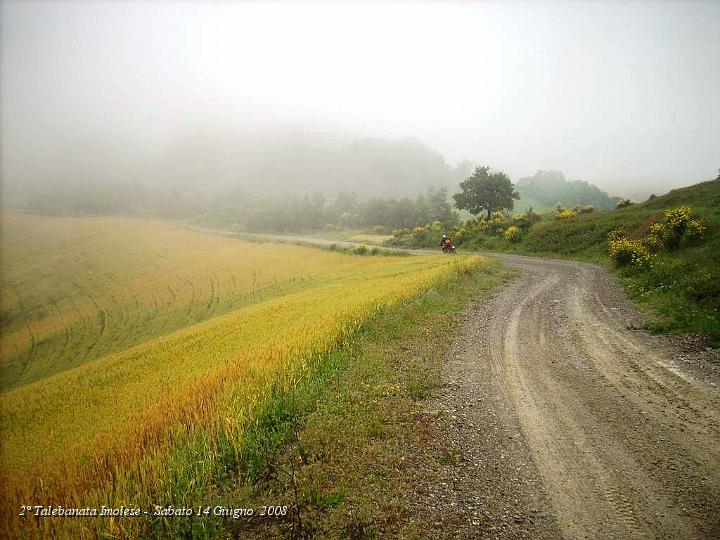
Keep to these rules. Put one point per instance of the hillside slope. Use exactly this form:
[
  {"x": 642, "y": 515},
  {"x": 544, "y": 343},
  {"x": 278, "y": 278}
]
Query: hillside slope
[{"x": 681, "y": 288}]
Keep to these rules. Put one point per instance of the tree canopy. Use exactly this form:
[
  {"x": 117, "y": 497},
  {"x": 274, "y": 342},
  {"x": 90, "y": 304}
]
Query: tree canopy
[{"x": 487, "y": 191}]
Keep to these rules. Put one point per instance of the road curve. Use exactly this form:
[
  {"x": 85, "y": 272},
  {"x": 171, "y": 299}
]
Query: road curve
[{"x": 626, "y": 444}]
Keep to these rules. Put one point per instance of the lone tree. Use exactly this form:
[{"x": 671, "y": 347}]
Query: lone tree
[{"x": 486, "y": 191}]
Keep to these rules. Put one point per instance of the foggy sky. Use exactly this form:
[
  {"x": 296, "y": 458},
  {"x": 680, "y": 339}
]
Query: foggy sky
[{"x": 623, "y": 95}]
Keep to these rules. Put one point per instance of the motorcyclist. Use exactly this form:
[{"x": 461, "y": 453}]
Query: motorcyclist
[{"x": 445, "y": 242}]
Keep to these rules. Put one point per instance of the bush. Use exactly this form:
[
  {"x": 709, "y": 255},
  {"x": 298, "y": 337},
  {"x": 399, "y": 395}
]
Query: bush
[
  {"x": 524, "y": 221},
  {"x": 566, "y": 213},
  {"x": 624, "y": 203},
  {"x": 629, "y": 252},
  {"x": 617, "y": 234},
  {"x": 477, "y": 225},
  {"x": 531, "y": 216},
  {"x": 459, "y": 234},
  {"x": 512, "y": 233},
  {"x": 678, "y": 227},
  {"x": 497, "y": 223},
  {"x": 436, "y": 226}
]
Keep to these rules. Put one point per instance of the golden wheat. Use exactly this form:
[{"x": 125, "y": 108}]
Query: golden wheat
[{"x": 102, "y": 432}]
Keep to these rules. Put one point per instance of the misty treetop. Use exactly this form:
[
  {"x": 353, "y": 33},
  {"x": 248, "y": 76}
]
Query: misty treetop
[
  {"x": 314, "y": 212},
  {"x": 486, "y": 191},
  {"x": 545, "y": 189}
]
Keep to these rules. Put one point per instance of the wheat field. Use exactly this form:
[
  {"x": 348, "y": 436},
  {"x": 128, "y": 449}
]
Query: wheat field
[{"x": 125, "y": 340}]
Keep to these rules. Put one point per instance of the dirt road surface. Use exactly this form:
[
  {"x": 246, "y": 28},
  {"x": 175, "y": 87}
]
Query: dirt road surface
[{"x": 568, "y": 421}]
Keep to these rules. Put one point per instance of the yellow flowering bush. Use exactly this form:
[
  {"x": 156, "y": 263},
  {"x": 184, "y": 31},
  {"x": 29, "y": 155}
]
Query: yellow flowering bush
[
  {"x": 565, "y": 213},
  {"x": 629, "y": 252},
  {"x": 512, "y": 233},
  {"x": 417, "y": 231},
  {"x": 617, "y": 234},
  {"x": 459, "y": 234},
  {"x": 480, "y": 225},
  {"x": 497, "y": 222},
  {"x": 677, "y": 227}
]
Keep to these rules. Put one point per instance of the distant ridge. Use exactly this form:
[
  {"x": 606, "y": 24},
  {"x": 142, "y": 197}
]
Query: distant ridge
[{"x": 545, "y": 189}]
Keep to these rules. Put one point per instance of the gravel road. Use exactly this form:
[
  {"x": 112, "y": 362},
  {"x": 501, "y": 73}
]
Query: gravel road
[{"x": 568, "y": 421}]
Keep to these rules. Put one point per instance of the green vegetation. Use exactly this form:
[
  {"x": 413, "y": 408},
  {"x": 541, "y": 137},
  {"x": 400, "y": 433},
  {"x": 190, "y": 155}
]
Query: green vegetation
[
  {"x": 678, "y": 287},
  {"x": 545, "y": 189},
  {"x": 242, "y": 211},
  {"x": 486, "y": 191}
]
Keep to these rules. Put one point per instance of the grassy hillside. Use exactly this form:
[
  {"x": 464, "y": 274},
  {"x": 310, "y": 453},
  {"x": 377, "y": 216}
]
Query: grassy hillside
[
  {"x": 127, "y": 428},
  {"x": 680, "y": 290}
]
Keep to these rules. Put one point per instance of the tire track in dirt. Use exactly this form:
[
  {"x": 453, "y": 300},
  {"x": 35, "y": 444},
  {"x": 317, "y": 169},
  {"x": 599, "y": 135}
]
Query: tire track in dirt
[{"x": 626, "y": 445}]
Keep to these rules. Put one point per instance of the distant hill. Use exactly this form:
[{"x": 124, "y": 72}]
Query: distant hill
[
  {"x": 195, "y": 167},
  {"x": 545, "y": 189}
]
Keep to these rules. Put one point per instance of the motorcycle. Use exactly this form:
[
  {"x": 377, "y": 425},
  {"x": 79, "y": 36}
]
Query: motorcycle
[{"x": 448, "y": 248}]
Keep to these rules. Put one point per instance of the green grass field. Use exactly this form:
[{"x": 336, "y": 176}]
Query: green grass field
[{"x": 130, "y": 346}]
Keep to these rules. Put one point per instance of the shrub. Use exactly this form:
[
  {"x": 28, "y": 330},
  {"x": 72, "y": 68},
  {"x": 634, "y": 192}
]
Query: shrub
[
  {"x": 531, "y": 216},
  {"x": 566, "y": 213},
  {"x": 512, "y": 233},
  {"x": 624, "y": 203},
  {"x": 525, "y": 220},
  {"x": 677, "y": 227},
  {"x": 629, "y": 252},
  {"x": 588, "y": 209},
  {"x": 617, "y": 234},
  {"x": 478, "y": 225},
  {"x": 459, "y": 234},
  {"x": 497, "y": 222},
  {"x": 436, "y": 226}
]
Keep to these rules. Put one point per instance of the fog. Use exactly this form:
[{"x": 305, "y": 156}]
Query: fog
[{"x": 372, "y": 97}]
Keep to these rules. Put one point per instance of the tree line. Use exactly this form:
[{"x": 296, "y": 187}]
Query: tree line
[
  {"x": 484, "y": 191},
  {"x": 293, "y": 213}
]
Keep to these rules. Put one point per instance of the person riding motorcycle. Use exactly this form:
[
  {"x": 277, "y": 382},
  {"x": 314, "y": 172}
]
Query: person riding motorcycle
[{"x": 445, "y": 243}]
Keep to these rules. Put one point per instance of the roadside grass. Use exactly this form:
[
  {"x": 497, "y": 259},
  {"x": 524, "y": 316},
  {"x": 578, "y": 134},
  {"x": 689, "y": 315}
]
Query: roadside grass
[{"x": 334, "y": 449}]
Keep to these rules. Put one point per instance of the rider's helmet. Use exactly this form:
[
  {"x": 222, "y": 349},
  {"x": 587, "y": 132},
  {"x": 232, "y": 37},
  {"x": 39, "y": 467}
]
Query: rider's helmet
[{"x": 444, "y": 235}]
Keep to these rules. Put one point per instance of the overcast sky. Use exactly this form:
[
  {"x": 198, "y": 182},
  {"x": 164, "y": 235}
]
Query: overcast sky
[{"x": 610, "y": 92}]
